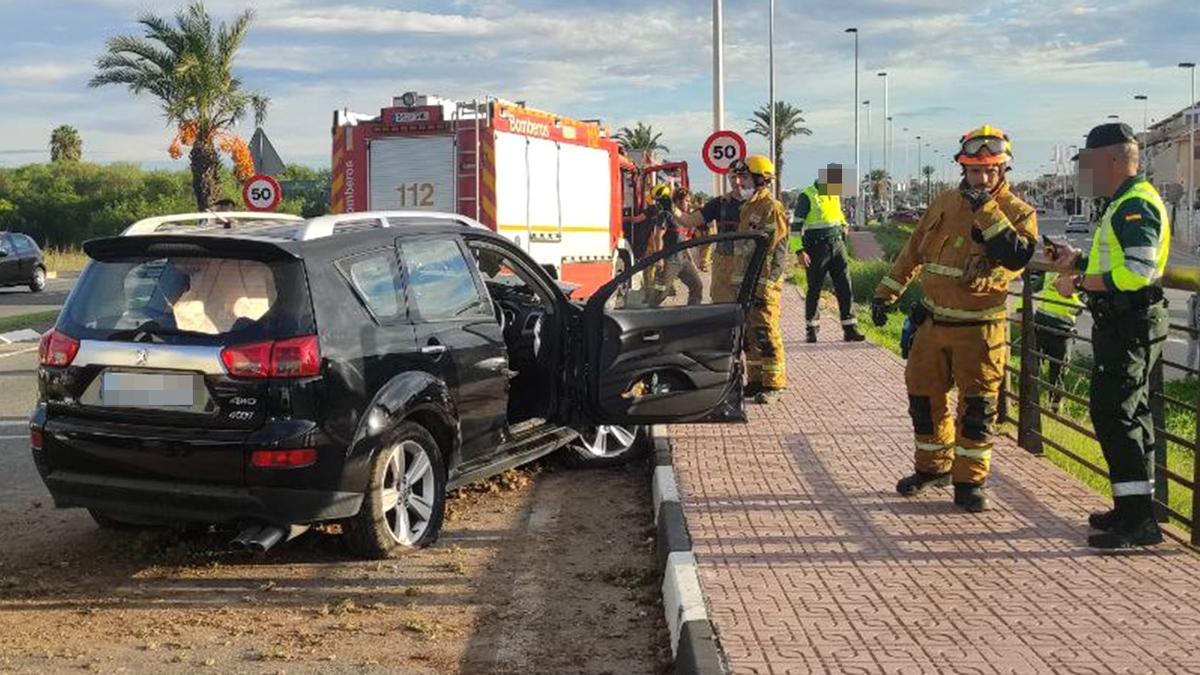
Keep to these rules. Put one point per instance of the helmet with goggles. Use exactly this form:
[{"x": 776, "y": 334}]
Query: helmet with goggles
[{"x": 985, "y": 146}]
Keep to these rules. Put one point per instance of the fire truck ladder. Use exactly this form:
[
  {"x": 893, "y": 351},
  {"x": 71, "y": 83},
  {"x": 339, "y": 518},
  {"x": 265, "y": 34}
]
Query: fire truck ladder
[{"x": 467, "y": 158}]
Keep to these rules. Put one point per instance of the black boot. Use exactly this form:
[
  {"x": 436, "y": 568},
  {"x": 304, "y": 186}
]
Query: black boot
[
  {"x": 1103, "y": 520},
  {"x": 850, "y": 334},
  {"x": 810, "y": 335},
  {"x": 751, "y": 390},
  {"x": 1135, "y": 526},
  {"x": 916, "y": 483},
  {"x": 973, "y": 498}
]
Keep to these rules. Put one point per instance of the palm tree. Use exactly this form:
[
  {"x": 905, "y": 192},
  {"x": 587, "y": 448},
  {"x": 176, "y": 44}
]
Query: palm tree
[
  {"x": 641, "y": 138},
  {"x": 188, "y": 66},
  {"x": 789, "y": 123},
  {"x": 65, "y": 144},
  {"x": 928, "y": 172},
  {"x": 877, "y": 181}
]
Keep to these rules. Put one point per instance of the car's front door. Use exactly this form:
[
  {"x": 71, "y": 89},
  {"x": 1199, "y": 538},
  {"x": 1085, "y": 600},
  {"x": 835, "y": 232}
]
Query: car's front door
[
  {"x": 662, "y": 342},
  {"x": 458, "y": 335},
  {"x": 10, "y": 261}
]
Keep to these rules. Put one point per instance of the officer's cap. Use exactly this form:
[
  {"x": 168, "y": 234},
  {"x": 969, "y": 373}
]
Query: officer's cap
[{"x": 1113, "y": 133}]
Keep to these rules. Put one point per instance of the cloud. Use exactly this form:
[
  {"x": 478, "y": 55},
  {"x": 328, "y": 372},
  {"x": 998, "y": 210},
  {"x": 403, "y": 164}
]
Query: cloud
[{"x": 41, "y": 73}]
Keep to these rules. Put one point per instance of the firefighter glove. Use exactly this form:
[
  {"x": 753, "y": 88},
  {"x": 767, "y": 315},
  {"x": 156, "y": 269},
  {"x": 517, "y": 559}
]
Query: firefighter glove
[
  {"x": 879, "y": 311},
  {"x": 976, "y": 197}
]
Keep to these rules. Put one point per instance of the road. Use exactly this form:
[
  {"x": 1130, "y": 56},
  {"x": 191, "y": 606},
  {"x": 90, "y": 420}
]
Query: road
[
  {"x": 19, "y": 300},
  {"x": 540, "y": 570},
  {"x": 1176, "y": 350}
]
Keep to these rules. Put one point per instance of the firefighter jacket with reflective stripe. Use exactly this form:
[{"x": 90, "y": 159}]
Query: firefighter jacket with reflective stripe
[
  {"x": 1133, "y": 241},
  {"x": 824, "y": 211},
  {"x": 764, "y": 213},
  {"x": 966, "y": 258}
]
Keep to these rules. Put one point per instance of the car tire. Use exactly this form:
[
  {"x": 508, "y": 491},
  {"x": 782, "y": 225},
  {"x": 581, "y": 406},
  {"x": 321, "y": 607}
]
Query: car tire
[
  {"x": 121, "y": 522},
  {"x": 37, "y": 284},
  {"x": 405, "y": 500},
  {"x": 606, "y": 446}
]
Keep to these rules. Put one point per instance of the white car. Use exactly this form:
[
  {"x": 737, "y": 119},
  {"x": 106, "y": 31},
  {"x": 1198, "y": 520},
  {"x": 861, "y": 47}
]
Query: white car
[{"x": 1078, "y": 224}]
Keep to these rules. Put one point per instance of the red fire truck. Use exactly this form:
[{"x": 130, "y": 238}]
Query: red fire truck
[{"x": 560, "y": 188}]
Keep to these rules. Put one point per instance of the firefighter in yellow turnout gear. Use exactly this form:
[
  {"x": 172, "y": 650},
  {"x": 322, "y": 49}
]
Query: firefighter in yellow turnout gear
[
  {"x": 970, "y": 244},
  {"x": 761, "y": 212}
]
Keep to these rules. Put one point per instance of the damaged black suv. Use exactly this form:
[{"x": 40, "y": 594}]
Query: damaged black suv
[{"x": 268, "y": 373}]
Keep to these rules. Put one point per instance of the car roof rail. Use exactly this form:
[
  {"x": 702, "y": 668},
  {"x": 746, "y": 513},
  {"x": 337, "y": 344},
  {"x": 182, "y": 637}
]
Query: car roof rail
[
  {"x": 326, "y": 226},
  {"x": 214, "y": 218}
]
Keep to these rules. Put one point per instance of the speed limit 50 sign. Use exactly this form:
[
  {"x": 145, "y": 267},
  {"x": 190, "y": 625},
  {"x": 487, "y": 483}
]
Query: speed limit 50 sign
[
  {"x": 722, "y": 149},
  {"x": 261, "y": 193}
]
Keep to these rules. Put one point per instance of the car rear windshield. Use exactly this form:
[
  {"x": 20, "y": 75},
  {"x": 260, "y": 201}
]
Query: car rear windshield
[{"x": 189, "y": 300}]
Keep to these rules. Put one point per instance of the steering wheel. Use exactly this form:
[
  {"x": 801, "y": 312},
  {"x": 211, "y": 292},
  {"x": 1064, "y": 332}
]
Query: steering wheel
[
  {"x": 537, "y": 335},
  {"x": 500, "y": 318}
]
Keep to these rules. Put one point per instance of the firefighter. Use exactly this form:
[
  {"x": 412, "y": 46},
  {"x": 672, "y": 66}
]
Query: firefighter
[
  {"x": 968, "y": 246},
  {"x": 823, "y": 250},
  {"x": 1122, "y": 279},
  {"x": 1054, "y": 320},
  {"x": 761, "y": 212}
]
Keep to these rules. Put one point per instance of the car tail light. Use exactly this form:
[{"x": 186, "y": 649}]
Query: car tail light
[
  {"x": 57, "y": 349},
  {"x": 35, "y": 439},
  {"x": 283, "y": 459},
  {"x": 295, "y": 357}
]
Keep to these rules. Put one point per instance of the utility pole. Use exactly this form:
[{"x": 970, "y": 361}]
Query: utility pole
[
  {"x": 887, "y": 119},
  {"x": 858, "y": 200},
  {"x": 1190, "y": 195},
  {"x": 718, "y": 86}
]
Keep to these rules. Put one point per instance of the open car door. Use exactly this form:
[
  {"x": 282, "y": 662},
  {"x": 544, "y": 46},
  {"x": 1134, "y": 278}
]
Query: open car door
[{"x": 662, "y": 343}]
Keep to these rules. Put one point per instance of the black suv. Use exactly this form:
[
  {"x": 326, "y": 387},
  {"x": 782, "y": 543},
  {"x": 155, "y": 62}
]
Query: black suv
[
  {"x": 21, "y": 262},
  {"x": 273, "y": 374}
]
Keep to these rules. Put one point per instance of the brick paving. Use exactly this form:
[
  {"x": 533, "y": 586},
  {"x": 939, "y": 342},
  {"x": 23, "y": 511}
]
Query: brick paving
[
  {"x": 810, "y": 562},
  {"x": 865, "y": 245}
]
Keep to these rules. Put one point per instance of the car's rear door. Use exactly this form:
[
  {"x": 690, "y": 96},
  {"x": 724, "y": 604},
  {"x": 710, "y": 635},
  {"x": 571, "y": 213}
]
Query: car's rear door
[{"x": 651, "y": 357}]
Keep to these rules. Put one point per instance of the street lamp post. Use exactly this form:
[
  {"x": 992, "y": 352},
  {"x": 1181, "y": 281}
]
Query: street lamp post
[
  {"x": 858, "y": 210},
  {"x": 1145, "y": 111},
  {"x": 718, "y": 83},
  {"x": 886, "y": 118},
  {"x": 771, "y": 95},
  {"x": 918, "y": 176},
  {"x": 1190, "y": 196},
  {"x": 870, "y": 154}
]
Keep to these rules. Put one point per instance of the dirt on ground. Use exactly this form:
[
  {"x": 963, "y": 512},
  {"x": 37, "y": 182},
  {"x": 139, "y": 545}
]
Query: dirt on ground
[{"x": 540, "y": 570}]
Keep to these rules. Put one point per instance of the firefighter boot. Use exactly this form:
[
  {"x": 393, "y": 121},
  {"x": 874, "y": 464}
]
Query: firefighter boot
[
  {"x": 810, "y": 334},
  {"x": 915, "y": 484},
  {"x": 850, "y": 334},
  {"x": 1135, "y": 526},
  {"x": 767, "y": 396},
  {"x": 971, "y": 497},
  {"x": 1103, "y": 520}
]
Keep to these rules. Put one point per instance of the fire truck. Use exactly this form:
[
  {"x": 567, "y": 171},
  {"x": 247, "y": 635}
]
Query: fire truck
[{"x": 559, "y": 188}]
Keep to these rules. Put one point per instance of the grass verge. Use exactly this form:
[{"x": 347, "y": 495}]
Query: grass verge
[
  {"x": 65, "y": 259},
  {"x": 37, "y": 320}
]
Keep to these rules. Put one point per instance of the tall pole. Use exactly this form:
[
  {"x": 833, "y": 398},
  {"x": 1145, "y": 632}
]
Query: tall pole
[
  {"x": 919, "y": 168},
  {"x": 907, "y": 162},
  {"x": 867, "y": 196},
  {"x": 718, "y": 84},
  {"x": 1190, "y": 195},
  {"x": 1144, "y": 146},
  {"x": 771, "y": 66},
  {"x": 858, "y": 201},
  {"x": 887, "y": 118}
]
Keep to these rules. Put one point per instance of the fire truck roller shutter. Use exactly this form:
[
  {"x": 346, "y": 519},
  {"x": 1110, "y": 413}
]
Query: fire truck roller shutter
[
  {"x": 512, "y": 187},
  {"x": 544, "y": 216},
  {"x": 585, "y": 181},
  {"x": 412, "y": 173}
]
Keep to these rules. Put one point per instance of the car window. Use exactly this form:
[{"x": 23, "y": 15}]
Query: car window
[
  {"x": 374, "y": 278},
  {"x": 693, "y": 274},
  {"x": 441, "y": 284},
  {"x": 6, "y": 244},
  {"x": 23, "y": 245}
]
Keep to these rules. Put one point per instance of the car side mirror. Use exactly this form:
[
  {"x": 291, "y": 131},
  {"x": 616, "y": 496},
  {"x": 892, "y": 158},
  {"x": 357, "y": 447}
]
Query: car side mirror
[{"x": 3, "y": 253}]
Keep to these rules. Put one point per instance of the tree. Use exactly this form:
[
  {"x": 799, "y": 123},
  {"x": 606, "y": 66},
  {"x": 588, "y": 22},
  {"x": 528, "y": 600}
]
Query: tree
[
  {"x": 65, "y": 144},
  {"x": 642, "y": 137},
  {"x": 877, "y": 181},
  {"x": 188, "y": 66},
  {"x": 789, "y": 123}
]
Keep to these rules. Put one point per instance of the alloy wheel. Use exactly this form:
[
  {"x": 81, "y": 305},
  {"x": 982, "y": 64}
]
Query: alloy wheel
[{"x": 408, "y": 492}]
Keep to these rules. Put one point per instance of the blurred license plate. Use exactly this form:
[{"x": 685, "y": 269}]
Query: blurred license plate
[{"x": 147, "y": 390}]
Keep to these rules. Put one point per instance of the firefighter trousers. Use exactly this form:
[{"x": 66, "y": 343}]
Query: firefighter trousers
[
  {"x": 1125, "y": 349},
  {"x": 827, "y": 256},
  {"x": 723, "y": 288},
  {"x": 764, "y": 348},
  {"x": 971, "y": 358}
]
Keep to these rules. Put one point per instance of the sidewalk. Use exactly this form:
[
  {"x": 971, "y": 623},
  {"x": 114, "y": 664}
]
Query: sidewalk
[{"x": 810, "y": 562}]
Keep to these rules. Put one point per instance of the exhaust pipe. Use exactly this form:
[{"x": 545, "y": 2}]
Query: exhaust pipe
[
  {"x": 242, "y": 541},
  {"x": 265, "y": 538}
]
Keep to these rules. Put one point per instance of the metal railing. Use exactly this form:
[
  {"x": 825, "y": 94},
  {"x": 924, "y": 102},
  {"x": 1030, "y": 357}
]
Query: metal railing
[{"x": 1031, "y": 414}]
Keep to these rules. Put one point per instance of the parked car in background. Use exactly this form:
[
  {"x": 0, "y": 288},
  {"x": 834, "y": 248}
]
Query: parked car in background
[
  {"x": 267, "y": 373},
  {"x": 907, "y": 216},
  {"x": 1078, "y": 224},
  {"x": 21, "y": 262}
]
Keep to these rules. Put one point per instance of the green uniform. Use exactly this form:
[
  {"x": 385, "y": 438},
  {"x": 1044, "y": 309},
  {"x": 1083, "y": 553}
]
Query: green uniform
[
  {"x": 821, "y": 237},
  {"x": 1054, "y": 319},
  {"x": 1130, "y": 251}
]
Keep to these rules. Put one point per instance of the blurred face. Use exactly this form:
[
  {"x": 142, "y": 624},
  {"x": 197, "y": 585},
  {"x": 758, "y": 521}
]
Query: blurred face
[
  {"x": 830, "y": 181},
  {"x": 983, "y": 177}
]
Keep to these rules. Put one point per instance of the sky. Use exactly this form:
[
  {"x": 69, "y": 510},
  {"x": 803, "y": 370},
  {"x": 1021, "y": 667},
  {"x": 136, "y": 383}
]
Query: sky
[{"x": 1043, "y": 70}]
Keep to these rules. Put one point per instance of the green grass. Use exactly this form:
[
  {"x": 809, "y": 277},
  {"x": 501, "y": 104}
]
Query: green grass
[
  {"x": 65, "y": 259},
  {"x": 37, "y": 320}
]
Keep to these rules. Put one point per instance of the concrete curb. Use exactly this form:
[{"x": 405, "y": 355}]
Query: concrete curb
[{"x": 694, "y": 643}]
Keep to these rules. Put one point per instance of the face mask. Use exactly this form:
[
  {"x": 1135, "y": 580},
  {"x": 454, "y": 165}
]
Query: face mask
[{"x": 745, "y": 193}]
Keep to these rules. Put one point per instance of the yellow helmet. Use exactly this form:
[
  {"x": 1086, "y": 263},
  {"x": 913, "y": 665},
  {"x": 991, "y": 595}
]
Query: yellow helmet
[
  {"x": 661, "y": 191},
  {"x": 755, "y": 165},
  {"x": 985, "y": 146}
]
